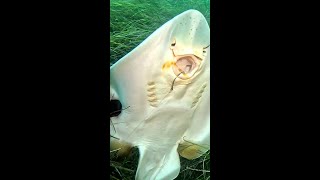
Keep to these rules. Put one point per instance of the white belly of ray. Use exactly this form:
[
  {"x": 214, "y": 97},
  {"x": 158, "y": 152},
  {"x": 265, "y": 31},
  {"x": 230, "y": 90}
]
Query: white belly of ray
[{"x": 164, "y": 85}]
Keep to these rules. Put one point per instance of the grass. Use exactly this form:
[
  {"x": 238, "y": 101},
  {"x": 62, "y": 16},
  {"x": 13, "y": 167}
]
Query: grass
[
  {"x": 198, "y": 169},
  {"x": 131, "y": 22}
]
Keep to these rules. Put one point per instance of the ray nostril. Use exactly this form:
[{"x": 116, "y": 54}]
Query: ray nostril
[
  {"x": 116, "y": 107},
  {"x": 173, "y": 43}
]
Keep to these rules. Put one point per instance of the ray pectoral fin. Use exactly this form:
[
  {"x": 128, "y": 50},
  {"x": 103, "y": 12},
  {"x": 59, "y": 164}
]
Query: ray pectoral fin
[
  {"x": 192, "y": 151},
  {"x": 121, "y": 148},
  {"x": 196, "y": 140},
  {"x": 158, "y": 164}
]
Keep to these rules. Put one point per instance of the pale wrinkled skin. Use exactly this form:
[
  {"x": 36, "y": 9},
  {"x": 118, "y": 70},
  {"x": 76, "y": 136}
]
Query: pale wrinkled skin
[{"x": 160, "y": 116}]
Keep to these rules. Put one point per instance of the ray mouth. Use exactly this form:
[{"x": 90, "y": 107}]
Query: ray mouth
[{"x": 185, "y": 65}]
